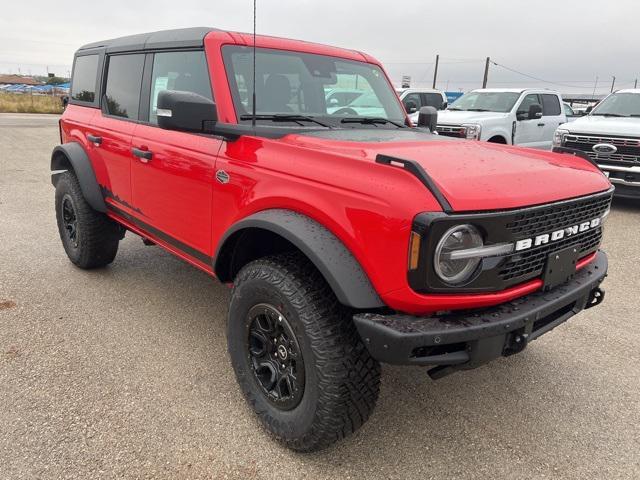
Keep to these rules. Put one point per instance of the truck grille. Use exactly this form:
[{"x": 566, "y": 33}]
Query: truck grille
[
  {"x": 451, "y": 130},
  {"x": 628, "y": 148},
  {"x": 530, "y": 263}
]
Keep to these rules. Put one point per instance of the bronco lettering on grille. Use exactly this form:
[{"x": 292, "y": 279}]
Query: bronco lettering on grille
[{"x": 545, "y": 238}]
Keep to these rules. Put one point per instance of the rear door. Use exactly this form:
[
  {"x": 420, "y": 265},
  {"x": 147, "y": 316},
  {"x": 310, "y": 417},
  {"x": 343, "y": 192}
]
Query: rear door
[
  {"x": 529, "y": 132},
  {"x": 552, "y": 117},
  {"x": 113, "y": 128},
  {"x": 173, "y": 187}
]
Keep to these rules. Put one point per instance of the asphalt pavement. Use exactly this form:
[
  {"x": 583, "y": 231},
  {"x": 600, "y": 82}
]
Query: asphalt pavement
[{"x": 123, "y": 372}]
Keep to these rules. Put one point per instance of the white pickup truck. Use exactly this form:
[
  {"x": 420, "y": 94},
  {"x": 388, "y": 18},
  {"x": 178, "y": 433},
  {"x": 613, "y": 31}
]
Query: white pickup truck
[
  {"x": 526, "y": 117},
  {"x": 610, "y": 136}
]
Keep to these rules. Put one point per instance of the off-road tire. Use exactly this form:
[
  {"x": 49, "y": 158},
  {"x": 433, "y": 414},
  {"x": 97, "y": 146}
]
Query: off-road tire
[
  {"x": 97, "y": 236},
  {"x": 342, "y": 380}
]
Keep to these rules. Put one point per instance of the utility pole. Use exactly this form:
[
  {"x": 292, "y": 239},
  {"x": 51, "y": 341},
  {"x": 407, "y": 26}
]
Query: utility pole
[
  {"x": 613, "y": 82},
  {"x": 435, "y": 72},
  {"x": 593, "y": 95},
  {"x": 635, "y": 85},
  {"x": 486, "y": 73}
]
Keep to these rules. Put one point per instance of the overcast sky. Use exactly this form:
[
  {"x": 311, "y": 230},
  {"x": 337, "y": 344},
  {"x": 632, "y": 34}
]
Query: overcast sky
[{"x": 565, "y": 42}]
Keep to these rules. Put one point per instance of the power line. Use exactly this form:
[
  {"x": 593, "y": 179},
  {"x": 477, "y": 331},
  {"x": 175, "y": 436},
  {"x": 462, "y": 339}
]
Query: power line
[{"x": 532, "y": 76}]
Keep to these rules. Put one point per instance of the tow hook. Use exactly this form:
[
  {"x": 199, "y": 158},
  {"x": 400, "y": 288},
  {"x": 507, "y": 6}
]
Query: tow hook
[
  {"x": 516, "y": 344},
  {"x": 595, "y": 298}
]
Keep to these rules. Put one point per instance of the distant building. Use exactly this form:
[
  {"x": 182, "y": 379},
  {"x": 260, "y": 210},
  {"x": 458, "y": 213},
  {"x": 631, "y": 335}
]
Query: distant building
[{"x": 18, "y": 80}]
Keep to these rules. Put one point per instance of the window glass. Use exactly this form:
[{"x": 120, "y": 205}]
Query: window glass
[
  {"x": 486, "y": 102},
  {"x": 433, "y": 100},
  {"x": 531, "y": 99},
  {"x": 568, "y": 110},
  {"x": 412, "y": 102},
  {"x": 124, "y": 79},
  {"x": 184, "y": 71},
  {"x": 550, "y": 105},
  {"x": 308, "y": 84},
  {"x": 85, "y": 72},
  {"x": 621, "y": 104}
]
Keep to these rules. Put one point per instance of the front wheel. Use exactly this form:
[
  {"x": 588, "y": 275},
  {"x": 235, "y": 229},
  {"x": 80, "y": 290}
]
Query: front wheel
[
  {"x": 297, "y": 355},
  {"x": 89, "y": 238}
]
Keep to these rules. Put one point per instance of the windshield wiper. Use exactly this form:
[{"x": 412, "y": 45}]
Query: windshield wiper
[
  {"x": 635, "y": 115},
  {"x": 371, "y": 121},
  {"x": 286, "y": 117},
  {"x": 608, "y": 114},
  {"x": 455, "y": 108},
  {"x": 477, "y": 110}
]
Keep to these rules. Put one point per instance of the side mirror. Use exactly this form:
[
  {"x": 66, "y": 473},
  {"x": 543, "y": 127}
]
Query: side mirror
[
  {"x": 411, "y": 107},
  {"x": 535, "y": 111},
  {"x": 186, "y": 111},
  {"x": 588, "y": 110},
  {"x": 65, "y": 101},
  {"x": 444, "y": 105},
  {"x": 428, "y": 118}
]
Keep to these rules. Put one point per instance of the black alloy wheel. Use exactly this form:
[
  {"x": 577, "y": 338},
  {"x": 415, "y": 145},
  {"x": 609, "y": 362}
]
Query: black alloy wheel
[{"x": 275, "y": 357}]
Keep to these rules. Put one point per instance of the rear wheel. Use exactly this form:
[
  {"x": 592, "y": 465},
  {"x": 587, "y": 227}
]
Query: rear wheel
[
  {"x": 297, "y": 355},
  {"x": 89, "y": 238}
]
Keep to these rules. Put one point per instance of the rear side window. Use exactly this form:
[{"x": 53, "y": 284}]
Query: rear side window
[
  {"x": 550, "y": 105},
  {"x": 184, "y": 71},
  {"x": 412, "y": 102},
  {"x": 85, "y": 72},
  {"x": 124, "y": 80}
]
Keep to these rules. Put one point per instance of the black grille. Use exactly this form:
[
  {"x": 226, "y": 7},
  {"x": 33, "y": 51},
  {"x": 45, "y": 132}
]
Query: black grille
[
  {"x": 530, "y": 263},
  {"x": 544, "y": 220},
  {"x": 451, "y": 131}
]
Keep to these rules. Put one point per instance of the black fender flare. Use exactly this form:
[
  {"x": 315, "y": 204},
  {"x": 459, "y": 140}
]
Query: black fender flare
[
  {"x": 79, "y": 160},
  {"x": 339, "y": 267}
]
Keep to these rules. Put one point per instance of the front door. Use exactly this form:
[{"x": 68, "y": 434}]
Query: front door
[
  {"x": 529, "y": 132},
  {"x": 172, "y": 181}
]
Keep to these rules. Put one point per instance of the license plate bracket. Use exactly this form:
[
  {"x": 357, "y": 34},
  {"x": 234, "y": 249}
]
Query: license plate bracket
[{"x": 560, "y": 267}]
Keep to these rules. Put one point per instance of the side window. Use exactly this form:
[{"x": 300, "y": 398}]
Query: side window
[
  {"x": 527, "y": 101},
  {"x": 433, "y": 100},
  {"x": 184, "y": 71},
  {"x": 550, "y": 105},
  {"x": 124, "y": 79},
  {"x": 412, "y": 102},
  {"x": 83, "y": 84}
]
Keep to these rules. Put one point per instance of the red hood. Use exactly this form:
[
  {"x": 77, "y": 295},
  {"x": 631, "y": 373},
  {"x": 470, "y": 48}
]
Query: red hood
[{"x": 472, "y": 175}]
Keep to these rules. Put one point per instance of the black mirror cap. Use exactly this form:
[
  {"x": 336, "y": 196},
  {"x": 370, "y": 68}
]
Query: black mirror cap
[
  {"x": 589, "y": 109},
  {"x": 535, "y": 111},
  {"x": 185, "y": 111},
  {"x": 428, "y": 118}
]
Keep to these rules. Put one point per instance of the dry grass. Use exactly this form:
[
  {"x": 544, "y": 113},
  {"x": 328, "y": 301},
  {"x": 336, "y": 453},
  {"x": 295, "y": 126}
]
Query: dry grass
[{"x": 26, "y": 103}]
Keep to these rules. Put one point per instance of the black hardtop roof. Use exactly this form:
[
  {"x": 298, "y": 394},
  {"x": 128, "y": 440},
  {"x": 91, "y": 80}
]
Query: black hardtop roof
[{"x": 177, "y": 38}]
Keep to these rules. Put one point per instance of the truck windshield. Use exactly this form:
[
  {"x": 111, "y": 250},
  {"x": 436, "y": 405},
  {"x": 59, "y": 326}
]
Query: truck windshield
[
  {"x": 486, "y": 102},
  {"x": 619, "y": 105},
  {"x": 296, "y": 87}
]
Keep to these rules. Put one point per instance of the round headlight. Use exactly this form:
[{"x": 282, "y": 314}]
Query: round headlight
[{"x": 455, "y": 271}]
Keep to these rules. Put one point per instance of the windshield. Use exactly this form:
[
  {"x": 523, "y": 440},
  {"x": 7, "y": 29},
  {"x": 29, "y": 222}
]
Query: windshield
[
  {"x": 486, "y": 101},
  {"x": 328, "y": 89},
  {"x": 619, "y": 104}
]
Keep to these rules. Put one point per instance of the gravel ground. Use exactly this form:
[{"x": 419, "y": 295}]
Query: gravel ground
[{"x": 123, "y": 372}]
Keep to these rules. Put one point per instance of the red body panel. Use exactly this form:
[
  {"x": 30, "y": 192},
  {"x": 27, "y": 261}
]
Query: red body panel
[{"x": 368, "y": 206}]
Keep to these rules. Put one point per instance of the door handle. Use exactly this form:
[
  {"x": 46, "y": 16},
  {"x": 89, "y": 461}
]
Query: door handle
[
  {"x": 93, "y": 139},
  {"x": 143, "y": 155},
  {"x": 541, "y": 124}
]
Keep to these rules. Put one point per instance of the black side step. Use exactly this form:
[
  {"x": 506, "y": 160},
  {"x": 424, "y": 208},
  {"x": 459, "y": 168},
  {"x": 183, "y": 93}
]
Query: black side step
[{"x": 417, "y": 171}]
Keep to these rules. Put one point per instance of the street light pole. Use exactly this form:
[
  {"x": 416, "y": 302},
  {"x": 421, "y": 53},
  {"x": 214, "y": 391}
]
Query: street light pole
[{"x": 486, "y": 73}]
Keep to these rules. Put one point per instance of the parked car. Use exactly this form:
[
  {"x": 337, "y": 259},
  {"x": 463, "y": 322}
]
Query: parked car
[
  {"x": 610, "y": 136},
  {"x": 526, "y": 117},
  {"x": 415, "y": 98},
  {"x": 349, "y": 240}
]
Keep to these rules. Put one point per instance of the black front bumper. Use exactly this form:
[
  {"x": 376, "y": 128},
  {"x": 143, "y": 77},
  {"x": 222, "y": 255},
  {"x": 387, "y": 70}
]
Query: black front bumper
[{"x": 466, "y": 340}]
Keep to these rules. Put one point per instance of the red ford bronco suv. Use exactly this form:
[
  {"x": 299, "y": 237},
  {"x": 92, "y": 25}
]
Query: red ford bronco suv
[{"x": 350, "y": 236}]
